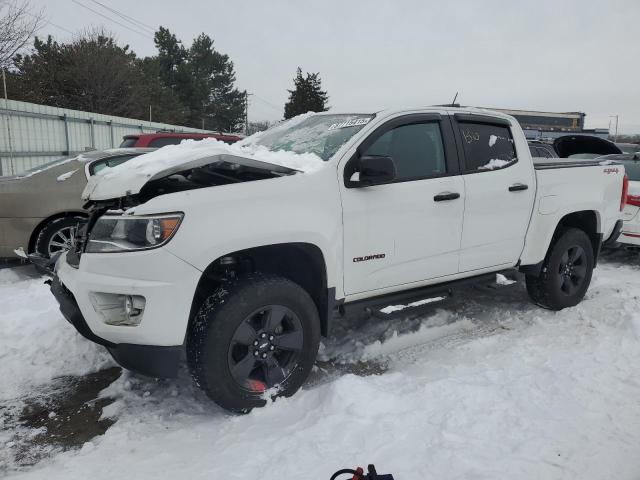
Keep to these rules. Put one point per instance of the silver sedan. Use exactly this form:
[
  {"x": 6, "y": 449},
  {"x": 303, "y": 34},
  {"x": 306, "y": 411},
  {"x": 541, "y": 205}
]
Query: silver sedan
[{"x": 40, "y": 209}]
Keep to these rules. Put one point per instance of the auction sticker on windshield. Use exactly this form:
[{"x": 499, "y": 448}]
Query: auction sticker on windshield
[{"x": 349, "y": 123}]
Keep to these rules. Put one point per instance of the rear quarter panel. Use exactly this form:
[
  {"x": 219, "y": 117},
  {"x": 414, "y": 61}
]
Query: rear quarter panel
[
  {"x": 42, "y": 194},
  {"x": 561, "y": 191}
]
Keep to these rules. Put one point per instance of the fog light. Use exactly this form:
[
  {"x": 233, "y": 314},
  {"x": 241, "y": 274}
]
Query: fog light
[{"x": 120, "y": 310}]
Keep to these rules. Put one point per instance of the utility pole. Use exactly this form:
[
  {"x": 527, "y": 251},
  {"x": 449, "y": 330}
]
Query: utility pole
[
  {"x": 149, "y": 113},
  {"x": 615, "y": 137},
  {"x": 246, "y": 112},
  {"x": 6, "y": 108}
]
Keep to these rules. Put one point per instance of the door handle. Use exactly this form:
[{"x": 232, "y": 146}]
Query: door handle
[
  {"x": 441, "y": 197},
  {"x": 517, "y": 187}
]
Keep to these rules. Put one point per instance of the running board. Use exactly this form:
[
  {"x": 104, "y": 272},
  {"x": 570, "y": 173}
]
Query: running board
[{"x": 408, "y": 301}]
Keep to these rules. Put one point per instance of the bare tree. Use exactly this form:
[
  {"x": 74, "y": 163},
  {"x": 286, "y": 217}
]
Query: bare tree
[{"x": 17, "y": 25}]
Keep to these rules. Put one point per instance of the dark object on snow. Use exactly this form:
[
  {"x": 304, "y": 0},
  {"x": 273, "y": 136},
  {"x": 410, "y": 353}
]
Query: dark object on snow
[
  {"x": 568, "y": 145},
  {"x": 358, "y": 474},
  {"x": 44, "y": 264}
]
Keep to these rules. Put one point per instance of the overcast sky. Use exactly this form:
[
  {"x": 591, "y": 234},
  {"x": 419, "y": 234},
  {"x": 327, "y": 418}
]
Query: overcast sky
[{"x": 539, "y": 55}]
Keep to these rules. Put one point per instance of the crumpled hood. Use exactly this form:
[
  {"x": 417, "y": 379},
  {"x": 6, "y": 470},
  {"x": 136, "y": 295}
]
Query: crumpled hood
[{"x": 130, "y": 177}]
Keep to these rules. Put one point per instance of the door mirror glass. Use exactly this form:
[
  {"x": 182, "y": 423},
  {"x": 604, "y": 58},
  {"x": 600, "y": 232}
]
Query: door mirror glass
[{"x": 373, "y": 170}]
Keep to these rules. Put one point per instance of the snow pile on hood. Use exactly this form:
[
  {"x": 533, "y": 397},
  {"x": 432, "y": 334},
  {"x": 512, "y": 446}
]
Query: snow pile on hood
[{"x": 132, "y": 175}]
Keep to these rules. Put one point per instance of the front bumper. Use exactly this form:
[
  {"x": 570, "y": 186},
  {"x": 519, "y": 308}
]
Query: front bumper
[
  {"x": 153, "y": 347},
  {"x": 145, "y": 359}
]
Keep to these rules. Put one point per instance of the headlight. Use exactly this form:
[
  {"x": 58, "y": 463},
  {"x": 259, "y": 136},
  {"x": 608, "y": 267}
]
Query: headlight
[{"x": 121, "y": 233}]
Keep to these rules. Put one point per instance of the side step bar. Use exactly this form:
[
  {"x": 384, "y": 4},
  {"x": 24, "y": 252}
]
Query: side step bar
[{"x": 373, "y": 305}]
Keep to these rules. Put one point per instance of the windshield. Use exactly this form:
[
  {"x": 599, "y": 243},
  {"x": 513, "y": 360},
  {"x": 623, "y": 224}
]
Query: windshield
[{"x": 319, "y": 134}]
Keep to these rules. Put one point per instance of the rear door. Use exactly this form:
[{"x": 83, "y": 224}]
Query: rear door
[
  {"x": 408, "y": 230},
  {"x": 499, "y": 192}
]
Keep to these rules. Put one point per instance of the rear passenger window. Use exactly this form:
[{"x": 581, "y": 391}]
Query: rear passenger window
[
  {"x": 164, "y": 141},
  {"x": 486, "y": 147},
  {"x": 417, "y": 150}
]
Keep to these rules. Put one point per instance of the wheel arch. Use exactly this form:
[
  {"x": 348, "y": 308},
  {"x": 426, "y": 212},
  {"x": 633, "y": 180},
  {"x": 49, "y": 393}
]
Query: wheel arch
[
  {"x": 43, "y": 224},
  {"x": 585, "y": 220},
  {"x": 302, "y": 263}
]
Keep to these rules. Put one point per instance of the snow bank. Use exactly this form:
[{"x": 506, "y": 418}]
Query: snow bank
[
  {"x": 498, "y": 388},
  {"x": 37, "y": 344}
]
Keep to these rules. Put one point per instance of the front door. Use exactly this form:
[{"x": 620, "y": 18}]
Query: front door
[{"x": 408, "y": 230}]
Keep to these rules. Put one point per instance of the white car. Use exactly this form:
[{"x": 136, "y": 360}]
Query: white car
[
  {"x": 631, "y": 229},
  {"x": 242, "y": 256}
]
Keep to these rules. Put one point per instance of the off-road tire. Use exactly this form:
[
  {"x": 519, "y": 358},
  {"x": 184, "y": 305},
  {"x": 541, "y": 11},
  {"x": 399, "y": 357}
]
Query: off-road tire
[
  {"x": 545, "y": 289},
  {"x": 211, "y": 332},
  {"x": 51, "y": 229}
]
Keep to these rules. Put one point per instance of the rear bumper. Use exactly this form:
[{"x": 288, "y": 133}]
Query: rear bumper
[
  {"x": 151, "y": 360},
  {"x": 630, "y": 234},
  {"x": 615, "y": 234}
]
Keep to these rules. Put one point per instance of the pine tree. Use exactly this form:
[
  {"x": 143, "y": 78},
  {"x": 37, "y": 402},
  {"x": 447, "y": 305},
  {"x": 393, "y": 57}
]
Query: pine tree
[
  {"x": 203, "y": 79},
  {"x": 95, "y": 74},
  {"x": 307, "y": 95}
]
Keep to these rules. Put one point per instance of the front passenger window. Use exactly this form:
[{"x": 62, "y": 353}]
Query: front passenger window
[{"x": 416, "y": 149}]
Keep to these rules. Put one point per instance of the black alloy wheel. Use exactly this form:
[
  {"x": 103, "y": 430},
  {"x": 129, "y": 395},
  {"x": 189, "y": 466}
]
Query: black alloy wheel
[
  {"x": 566, "y": 271},
  {"x": 254, "y": 337},
  {"x": 572, "y": 269},
  {"x": 265, "y": 348}
]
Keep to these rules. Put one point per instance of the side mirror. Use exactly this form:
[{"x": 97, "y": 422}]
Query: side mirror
[{"x": 372, "y": 170}]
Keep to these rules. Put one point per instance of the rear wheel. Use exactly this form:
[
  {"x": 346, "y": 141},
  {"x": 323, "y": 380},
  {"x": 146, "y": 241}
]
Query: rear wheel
[
  {"x": 566, "y": 272},
  {"x": 57, "y": 236},
  {"x": 251, "y": 335}
]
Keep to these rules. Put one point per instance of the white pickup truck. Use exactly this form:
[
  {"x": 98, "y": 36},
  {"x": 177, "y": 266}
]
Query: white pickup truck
[{"x": 240, "y": 257}]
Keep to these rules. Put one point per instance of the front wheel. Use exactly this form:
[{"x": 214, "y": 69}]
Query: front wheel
[
  {"x": 566, "y": 272},
  {"x": 253, "y": 336},
  {"x": 58, "y": 236}
]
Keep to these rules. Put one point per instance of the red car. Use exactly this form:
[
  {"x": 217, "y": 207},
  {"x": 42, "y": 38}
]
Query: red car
[{"x": 157, "y": 140}]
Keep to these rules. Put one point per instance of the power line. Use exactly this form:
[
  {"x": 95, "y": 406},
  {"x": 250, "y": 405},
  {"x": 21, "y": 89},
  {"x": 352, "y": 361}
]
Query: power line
[
  {"x": 49, "y": 22},
  {"x": 125, "y": 17},
  {"x": 269, "y": 104},
  {"x": 112, "y": 20}
]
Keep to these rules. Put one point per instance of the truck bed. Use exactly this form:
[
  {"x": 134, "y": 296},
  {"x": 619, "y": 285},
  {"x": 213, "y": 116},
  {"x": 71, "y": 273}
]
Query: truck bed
[{"x": 549, "y": 163}]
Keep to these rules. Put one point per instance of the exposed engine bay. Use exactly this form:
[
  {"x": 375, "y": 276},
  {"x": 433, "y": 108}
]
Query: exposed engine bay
[{"x": 218, "y": 173}]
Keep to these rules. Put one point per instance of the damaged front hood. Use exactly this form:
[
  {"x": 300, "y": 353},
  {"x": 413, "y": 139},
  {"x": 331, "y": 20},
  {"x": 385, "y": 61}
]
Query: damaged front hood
[{"x": 130, "y": 178}]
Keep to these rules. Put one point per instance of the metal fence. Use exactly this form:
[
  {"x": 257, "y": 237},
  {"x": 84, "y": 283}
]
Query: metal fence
[{"x": 32, "y": 134}]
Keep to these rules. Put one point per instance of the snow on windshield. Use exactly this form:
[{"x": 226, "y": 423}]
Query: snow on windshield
[
  {"x": 293, "y": 144},
  {"x": 147, "y": 165},
  {"x": 322, "y": 135}
]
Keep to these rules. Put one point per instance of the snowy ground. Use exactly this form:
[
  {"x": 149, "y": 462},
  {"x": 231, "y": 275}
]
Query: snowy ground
[{"x": 484, "y": 385}]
